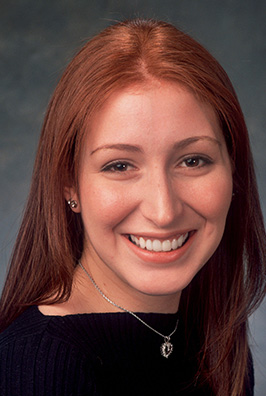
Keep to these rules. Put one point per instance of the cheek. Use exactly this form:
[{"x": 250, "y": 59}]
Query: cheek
[
  {"x": 104, "y": 206},
  {"x": 211, "y": 197}
]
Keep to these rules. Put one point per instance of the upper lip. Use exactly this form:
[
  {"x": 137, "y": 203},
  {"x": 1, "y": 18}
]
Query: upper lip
[{"x": 161, "y": 236}]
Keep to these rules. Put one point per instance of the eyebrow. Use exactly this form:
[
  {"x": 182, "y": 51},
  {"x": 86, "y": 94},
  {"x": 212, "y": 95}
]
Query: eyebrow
[
  {"x": 186, "y": 142},
  {"x": 135, "y": 148},
  {"x": 118, "y": 146}
]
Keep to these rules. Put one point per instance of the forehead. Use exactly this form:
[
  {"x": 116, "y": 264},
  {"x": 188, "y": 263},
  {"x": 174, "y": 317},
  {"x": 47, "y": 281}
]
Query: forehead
[{"x": 158, "y": 108}]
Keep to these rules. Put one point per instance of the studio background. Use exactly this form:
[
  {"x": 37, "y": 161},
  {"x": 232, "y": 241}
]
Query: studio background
[{"x": 39, "y": 37}]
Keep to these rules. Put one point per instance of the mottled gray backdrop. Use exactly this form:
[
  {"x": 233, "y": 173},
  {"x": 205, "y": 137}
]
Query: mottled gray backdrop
[{"x": 39, "y": 37}]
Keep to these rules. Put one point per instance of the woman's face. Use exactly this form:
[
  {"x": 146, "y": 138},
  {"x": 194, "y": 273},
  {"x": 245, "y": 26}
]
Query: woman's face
[{"x": 155, "y": 186}]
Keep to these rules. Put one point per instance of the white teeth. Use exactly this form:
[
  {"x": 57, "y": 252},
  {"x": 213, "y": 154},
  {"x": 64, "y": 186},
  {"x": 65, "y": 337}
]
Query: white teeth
[
  {"x": 149, "y": 244},
  {"x": 158, "y": 246},
  {"x": 166, "y": 246},
  {"x": 175, "y": 244},
  {"x": 135, "y": 240},
  {"x": 142, "y": 243}
]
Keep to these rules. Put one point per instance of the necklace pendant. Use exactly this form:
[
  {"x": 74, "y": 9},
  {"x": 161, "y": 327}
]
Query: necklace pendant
[{"x": 166, "y": 348}]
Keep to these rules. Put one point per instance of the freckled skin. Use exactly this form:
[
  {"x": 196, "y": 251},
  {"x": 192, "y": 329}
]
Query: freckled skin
[{"x": 157, "y": 194}]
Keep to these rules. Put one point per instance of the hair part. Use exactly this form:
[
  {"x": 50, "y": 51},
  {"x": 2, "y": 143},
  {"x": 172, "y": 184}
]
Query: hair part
[{"x": 216, "y": 304}]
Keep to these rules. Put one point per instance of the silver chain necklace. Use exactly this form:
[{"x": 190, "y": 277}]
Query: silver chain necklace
[{"x": 166, "y": 347}]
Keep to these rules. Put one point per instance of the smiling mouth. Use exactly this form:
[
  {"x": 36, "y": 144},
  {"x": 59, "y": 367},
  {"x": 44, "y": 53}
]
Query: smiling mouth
[{"x": 155, "y": 245}]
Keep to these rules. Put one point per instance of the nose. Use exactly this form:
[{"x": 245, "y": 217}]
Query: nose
[{"x": 160, "y": 202}]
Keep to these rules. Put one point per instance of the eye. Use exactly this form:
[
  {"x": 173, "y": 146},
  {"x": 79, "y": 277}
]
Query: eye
[
  {"x": 195, "y": 162},
  {"x": 118, "y": 166}
]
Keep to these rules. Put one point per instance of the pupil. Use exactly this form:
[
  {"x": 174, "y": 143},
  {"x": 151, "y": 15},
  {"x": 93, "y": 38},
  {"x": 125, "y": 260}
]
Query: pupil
[
  {"x": 192, "y": 161},
  {"x": 121, "y": 166}
]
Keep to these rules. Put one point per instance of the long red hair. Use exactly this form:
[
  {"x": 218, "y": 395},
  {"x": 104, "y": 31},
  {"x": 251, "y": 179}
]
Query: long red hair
[{"x": 216, "y": 304}]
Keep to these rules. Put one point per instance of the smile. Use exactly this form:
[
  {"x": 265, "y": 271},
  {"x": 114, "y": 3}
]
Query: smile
[{"x": 155, "y": 245}]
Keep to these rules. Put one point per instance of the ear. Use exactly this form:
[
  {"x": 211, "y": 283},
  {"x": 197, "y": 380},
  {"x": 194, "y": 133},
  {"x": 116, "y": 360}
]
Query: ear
[{"x": 71, "y": 197}]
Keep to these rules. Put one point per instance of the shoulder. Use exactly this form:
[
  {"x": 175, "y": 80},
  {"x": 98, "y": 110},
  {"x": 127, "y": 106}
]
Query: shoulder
[
  {"x": 32, "y": 326},
  {"x": 28, "y": 323},
  {"x": 69, "y": 330},
  {"x": 42, "y": 355}
]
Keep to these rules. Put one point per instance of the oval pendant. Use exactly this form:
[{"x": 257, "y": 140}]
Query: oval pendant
[{"x": 166, "y": 349}]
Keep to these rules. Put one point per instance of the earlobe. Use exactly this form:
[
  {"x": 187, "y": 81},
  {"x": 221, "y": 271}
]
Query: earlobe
[
  {"x": 72, "y": 199},
  {"x": 72, "y": 203}
]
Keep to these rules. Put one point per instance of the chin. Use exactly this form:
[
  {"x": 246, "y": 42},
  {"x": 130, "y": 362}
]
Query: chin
[{"x": 163, "y": 287}]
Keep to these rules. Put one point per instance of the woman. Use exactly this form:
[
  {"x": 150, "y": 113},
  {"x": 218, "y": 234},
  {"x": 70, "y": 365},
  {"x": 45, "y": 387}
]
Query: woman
[{"x": 142, "y": 248}]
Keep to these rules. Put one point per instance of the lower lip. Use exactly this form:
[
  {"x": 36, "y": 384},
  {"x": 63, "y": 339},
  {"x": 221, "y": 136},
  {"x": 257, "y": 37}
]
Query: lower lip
[{"x": 161, "y": 257}]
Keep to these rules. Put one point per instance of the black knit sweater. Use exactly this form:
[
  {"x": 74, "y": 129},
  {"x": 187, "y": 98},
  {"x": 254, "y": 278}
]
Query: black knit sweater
[{"x": 93, "y": 354}]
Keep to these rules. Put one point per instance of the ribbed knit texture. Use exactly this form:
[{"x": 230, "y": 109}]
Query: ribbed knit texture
[{"x": 92, "y": 354}]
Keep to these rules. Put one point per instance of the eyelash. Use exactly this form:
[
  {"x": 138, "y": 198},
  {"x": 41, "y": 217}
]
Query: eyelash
[
  {"x": 110, "y": 167},
  {"x": 122, "y": 166},
  {"x": 204, "y": 161}
]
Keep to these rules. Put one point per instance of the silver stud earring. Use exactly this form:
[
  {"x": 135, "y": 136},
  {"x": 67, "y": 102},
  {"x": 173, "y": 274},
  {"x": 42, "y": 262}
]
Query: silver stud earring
[{"x": 72, "y": 203}]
